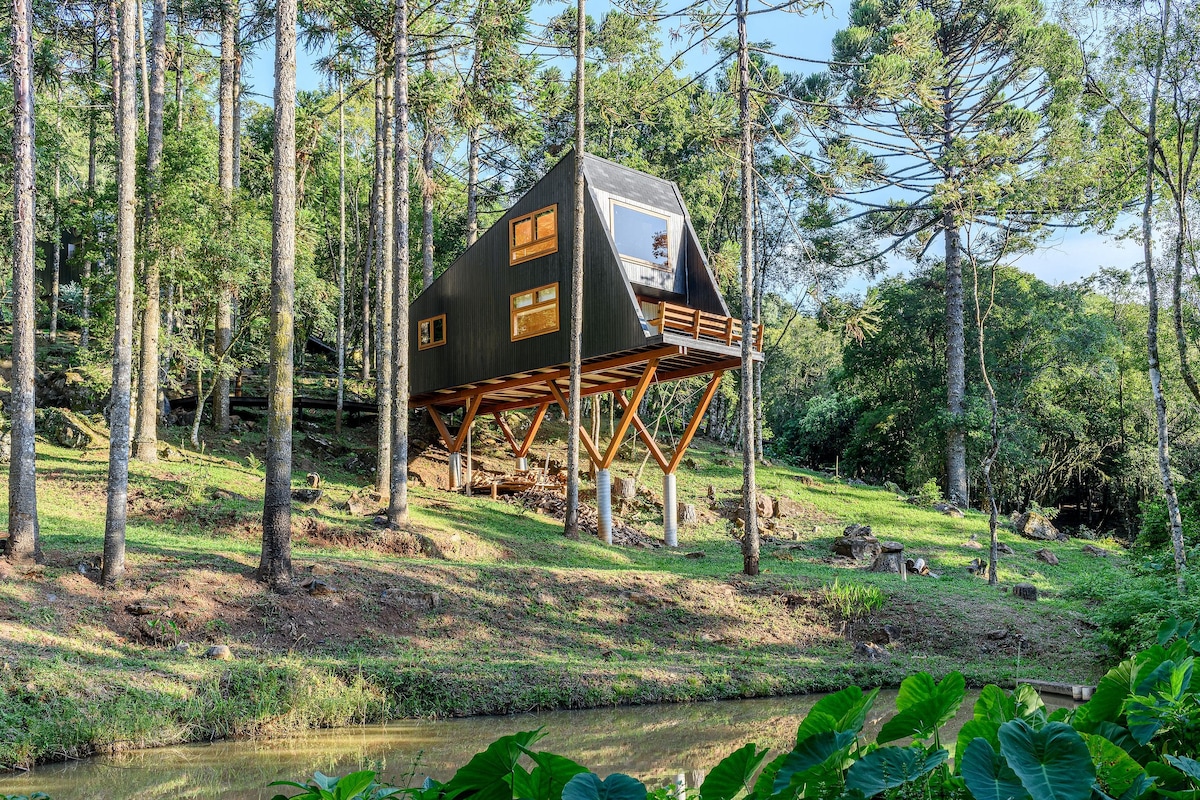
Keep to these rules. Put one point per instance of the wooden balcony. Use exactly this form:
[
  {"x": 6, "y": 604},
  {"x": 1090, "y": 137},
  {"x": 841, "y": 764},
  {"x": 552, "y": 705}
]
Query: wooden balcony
[{"x": 702, "y": 326}]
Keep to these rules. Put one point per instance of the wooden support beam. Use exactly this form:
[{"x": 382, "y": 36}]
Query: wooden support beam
[
  {"x": 584, "y": 437},
  {"x": 646, "y": 436},
  {"x": 447, "y": 439},
  {"x": 694, "y": 425},
  {"x": 508, "y": 434},
  {"x": 534, "y": 424},
  {"x": 468, "y": 418},
  {"x": 639, "y": 392}
]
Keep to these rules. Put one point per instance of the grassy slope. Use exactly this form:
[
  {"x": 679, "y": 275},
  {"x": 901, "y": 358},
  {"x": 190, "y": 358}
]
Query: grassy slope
[{"x": 525, "y": 619}]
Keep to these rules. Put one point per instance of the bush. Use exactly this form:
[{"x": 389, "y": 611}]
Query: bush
[
  {"x": 1131, "y": 609},
  {"x": 930, "y": 494},
  {"x": 1142, "y": 721}
]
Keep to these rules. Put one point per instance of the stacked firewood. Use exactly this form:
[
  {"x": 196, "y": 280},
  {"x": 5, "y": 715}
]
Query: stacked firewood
[{"x": 553, "y": 504}]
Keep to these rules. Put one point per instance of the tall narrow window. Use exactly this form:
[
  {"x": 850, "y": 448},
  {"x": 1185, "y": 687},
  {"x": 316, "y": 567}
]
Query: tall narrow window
[
  {"x": 641, "y": 236},
  {"x": 431, "y": 332},
  {"x": 535, "y": 312},
  {"x": 533, "y": 235}
]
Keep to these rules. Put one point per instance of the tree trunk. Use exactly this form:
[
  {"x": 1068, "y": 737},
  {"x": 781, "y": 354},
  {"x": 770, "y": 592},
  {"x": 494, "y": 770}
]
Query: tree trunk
[
  {"x": 148, "y": 407},
  {"x": 275, "y": 566},
  {"x": 384, "y": 383},
  {"x": 93, "y": 111},
  {"x": 398, "y": 494},
  {"x": 119, "y": 407},
  {"x": 23, "y": 539},
  {"x": 750, "y": 544},
  {"x": 145, "y": 71},
  {"x": 1160, "y": 400},
  {"x": 179, "y": 32},
  {"x": 237, "y": 113},
  {"x": 428, "y": 145},
  {"x": 56, "y": 234},
  {"x": 226, "y": 90},
  {"x": 956, "y": 376},
  {"x": 574, "y": 401},
  {"x": 341, "y": 318},
  {"x": 473, "y": 137},
  {"x": 366, "y": 275}
]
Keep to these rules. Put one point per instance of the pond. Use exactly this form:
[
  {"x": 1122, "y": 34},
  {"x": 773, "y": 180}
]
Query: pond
[{"x": 661, "y": 745}]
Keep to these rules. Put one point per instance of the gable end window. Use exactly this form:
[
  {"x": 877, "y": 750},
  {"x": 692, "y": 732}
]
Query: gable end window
[
  {"x": 431, "y": 332},
  {"x": 534, "y": 312},
  {"x": 533, "y": 235},
  {"x": 641, "y": 236}
]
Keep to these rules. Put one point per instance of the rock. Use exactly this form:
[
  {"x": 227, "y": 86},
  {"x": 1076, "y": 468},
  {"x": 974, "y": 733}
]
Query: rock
[
  {"x": 318, "y": 588},
  {"x": 306, "y": 495},
  {"x": 765, "y": 507},
  {"x": 6, "y": 447},
  {"x": 362, "y": 505},
  {"x": 891, "y": 547},
  {"x": 321, "y": 570},
  {"x": 182, "y": 647},
  {"x": 686, "y": 514},
  {"x": 380, "y": 521},
  {"x": 220, "y": 652},
  {"x": 978, "y": 567},
  {"x": 893, "y": 634},
  {"x": 66, "y": 429},
  {"x": 168, "y": 453},
  {"x": 972, "y": 544},
  {"x": 425, "y": 600},
  {"x": 888, "y": 561},
  {"x": 545, "y": 598},
  {"x": 857, "y": 543},
  {"x": 1047, "y": 556},
  {"x": 1025, "y": 591},
  {"x": 1004, "y": 549},
  {"x": 1092, "y": 550},
  {"x": 891, "y": 487},
  {"x": 787, "y": 507},
  {"x": 997, "y": 634},
  {"x": 870, "y": 651},
  {"x": 805, "y": 480},
  {"x": 141, "y": 608},
  {"x": 949, "y": 510},
  {"x": 642, "y": 599},
  {"x": 1032, "y": 525},
  {"x": 696, "y": 554}
]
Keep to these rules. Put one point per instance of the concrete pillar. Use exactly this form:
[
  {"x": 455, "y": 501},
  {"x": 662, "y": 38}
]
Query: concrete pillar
[
  {"x": 604, "y": 505},
  {"x": 522, "y": 464},
  {"x": 670, "y": 511},
  {"x": 456, "y": 471}
]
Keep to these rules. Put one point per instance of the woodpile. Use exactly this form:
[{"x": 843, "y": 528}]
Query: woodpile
[
  {"x": 495, "y": 484},
  {"x": 553, "y": 504}
]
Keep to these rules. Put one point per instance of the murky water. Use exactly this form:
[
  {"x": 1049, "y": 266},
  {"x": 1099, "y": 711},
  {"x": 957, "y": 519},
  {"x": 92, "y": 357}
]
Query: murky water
[{"x": 669, "y": 744}]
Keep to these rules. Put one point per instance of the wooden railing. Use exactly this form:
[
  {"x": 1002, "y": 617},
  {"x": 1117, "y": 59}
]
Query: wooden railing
[{"x": 702, "y": 325}]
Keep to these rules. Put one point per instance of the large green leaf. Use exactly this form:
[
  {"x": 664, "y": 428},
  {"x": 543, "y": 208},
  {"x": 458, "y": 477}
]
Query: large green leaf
[
  {"x": 1027, "y": 703},
  {"x": 811, "y": 761},
  {"x": 988, "y": 775},
  {"x": 733, "y": 775},
  {"x": 1188, "y": 766},
  {"x": 550, "y": 775},
  {"x": 1156, "y": 698},
  {"x": 1116, "y": 772},
  {"x": 490, "y": 775},
  {"x": 841, "y": 711},
  {"x": 1053, "y": 763},
  {"x": 995, "y": 705},
  {"x": 588, "y": 786},
  {"x": 923, "y": 706},
  {"x": 765, "y": 785},
  {"x": 890, "y": 767},
  {"x": 1109, "y": 698},
  {"x": 971, "y": 730}
]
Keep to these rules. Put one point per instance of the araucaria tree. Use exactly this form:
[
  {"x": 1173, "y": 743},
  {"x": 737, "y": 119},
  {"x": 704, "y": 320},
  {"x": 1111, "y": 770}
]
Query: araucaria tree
[
  {"x": 398, "y": 493},
  {"x": 275, "y": 565},
  {"x": 939, "y": 115},
  {"x": 22, "y": 493},
  {"x": 119, "y": 405},
  {"x": 574, "y": 400}
]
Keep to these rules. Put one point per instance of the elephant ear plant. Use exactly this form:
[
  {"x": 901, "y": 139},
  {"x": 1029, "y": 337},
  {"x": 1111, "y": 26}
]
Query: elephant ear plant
[{"x": 1136, "y": 738}]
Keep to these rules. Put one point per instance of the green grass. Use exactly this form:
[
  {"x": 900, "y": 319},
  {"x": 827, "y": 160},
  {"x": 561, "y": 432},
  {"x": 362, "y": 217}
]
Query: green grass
[{"x": 526, "y": 619}]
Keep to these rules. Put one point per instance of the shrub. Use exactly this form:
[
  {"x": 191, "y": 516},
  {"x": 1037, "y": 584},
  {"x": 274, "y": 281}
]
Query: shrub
[
  {"x": 930, "y": 494},
  {"x": 852, "y": 601}
]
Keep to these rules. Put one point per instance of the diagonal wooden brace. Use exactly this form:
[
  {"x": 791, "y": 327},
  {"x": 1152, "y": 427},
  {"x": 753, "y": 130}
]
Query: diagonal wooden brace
[
  {"x": 643, "y": 432},
  {"x": 631, "y": 407},
  {"x": 584, "y": 437},
  {"x": 455, "y": 443}
]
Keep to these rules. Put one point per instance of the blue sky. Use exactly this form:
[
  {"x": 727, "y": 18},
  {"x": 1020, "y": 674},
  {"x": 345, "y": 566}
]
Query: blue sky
[{"x": 1069, "y": 255}]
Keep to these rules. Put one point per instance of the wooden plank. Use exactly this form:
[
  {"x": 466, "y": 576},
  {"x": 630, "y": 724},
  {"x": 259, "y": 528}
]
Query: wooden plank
[
  {"x": 468, "y": 418},
  {"x": 447, "y": 439},
  {"x": 508, "y": 434},
  {"x": 534, "y": 424}
]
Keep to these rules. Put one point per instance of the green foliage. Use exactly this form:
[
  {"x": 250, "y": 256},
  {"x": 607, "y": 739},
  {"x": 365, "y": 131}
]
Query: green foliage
[
  {"x": 930, "y": 493},
  {"x": 852, "y": 601}
]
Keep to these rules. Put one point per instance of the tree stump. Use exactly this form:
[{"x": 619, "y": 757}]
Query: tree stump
[
  {"x": 1025, "y": 591},
  {"x": 890, "y": 558},
  {"x": 687, "y": 514},
  {"x": 626, "y": 488}
]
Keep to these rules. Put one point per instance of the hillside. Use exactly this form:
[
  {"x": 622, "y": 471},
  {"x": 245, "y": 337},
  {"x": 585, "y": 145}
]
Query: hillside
[{"x": 482, "y": 607}]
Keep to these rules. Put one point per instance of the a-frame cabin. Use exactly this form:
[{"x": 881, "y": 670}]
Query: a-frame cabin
[{"x": 492, "y": 332}]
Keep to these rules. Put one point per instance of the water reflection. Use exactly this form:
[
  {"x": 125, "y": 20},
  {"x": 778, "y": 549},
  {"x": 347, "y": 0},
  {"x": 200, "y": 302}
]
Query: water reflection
[{"x": 662, "y": 745}]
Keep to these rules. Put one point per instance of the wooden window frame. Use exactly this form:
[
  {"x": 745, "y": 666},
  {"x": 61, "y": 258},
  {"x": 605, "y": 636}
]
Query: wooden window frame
[
  {"x": 432, "y": 342},
  {"x": 612, "y": 222},
  {"x": 513, "y": 259},
  {"x": 512, "y": 311}
]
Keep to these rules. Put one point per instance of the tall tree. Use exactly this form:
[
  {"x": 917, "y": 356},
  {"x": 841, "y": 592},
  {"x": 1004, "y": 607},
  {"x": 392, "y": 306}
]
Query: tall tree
[
  {"x": 750, "y": 543},
  {"x": 398, "y": 493},
  {"x": 341, "y": 315},
  {"x": 429, "y": 125},
  {"x": 385, "y": 157},
  {"x": 958, "y": 110},
  {"x": 226, "y": 91},
  {"x": 113, "y": 568},
  {"x": 146, "y": 440},
  {"x": 275, "y": 565},
  {"x": 574, "y": 401},
  {"x": 23, "y": 540}
]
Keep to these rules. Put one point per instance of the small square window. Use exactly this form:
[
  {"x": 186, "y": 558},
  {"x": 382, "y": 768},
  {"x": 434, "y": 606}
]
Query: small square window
[
  {"x": 534, "y": 312},
  {"x": 533, "y": 235},
  {"x": 431, "y": 332}
]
